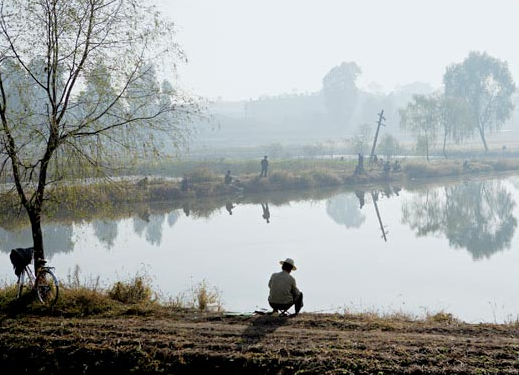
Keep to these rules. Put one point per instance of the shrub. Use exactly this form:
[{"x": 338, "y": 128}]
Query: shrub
[
  {"x": 7, "y": 294},
  {"x": 204, "y": 296},
  {"x": 134, "y": 291},
  {"x": 83, "y": 302},
  {"x": 442, "y": 318}
]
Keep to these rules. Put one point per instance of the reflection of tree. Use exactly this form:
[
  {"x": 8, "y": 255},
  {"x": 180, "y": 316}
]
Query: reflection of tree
[
  {"x": 106, "y": 232},
  {"x": 480, "y": 218},
  {"x": 424, "y": 213},
  {"x": 515, "y": 182},
  {"x": 172, "y": 218},
  {"x": 57, "y": 239},
  {"x": 344, "y": 210},
  {"x": 477, "y": 216},
  {"x": 151, "y": 227}
]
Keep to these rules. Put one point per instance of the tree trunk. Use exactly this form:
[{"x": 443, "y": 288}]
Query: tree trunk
[
  {"x": 427, "y": 145},
  {"x": 37, "y": 238},
  {"x": 444, "y": 144},
  {"x": 482, "y": 135}
]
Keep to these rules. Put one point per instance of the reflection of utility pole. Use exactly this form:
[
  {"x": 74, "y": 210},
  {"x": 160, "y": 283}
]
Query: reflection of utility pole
[
  {"x": 379, "y": 124},
  {"x": 375, "y": 199}
]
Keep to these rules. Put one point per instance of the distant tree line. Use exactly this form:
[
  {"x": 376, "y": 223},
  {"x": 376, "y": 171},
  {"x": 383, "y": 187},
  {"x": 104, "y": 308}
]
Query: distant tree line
[{"x": 477, "y": 98}]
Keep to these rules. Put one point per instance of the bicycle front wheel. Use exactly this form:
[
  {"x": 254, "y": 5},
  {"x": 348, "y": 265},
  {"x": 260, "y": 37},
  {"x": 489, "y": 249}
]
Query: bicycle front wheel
[{"x": 47, "y": 287}]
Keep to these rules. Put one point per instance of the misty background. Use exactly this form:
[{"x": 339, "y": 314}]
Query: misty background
[{"x": 262, "y": 64}]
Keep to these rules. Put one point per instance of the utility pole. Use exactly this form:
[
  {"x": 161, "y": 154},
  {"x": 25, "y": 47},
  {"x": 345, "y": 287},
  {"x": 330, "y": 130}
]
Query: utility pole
[{"x": 379, "y": 124}]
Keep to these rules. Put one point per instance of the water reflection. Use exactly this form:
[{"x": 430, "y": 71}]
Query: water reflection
[
  {"x": 58, "y": 238},
  {"x": 477, "y": 216},
  {"x": 105, "y": 231},
  {"x": 344, "y": 210},
  {"x": 229, "y": 207},
  {"x": 150, "y": 228},
  {"x": 374, "y": 196},
  {"x": 360, "y": 195},
  {"x": 266, "y": 212},
  {"x": 515, "y": 182},
  {"x": 172, "y": 218},
  {"x": 186, "y": 208}
]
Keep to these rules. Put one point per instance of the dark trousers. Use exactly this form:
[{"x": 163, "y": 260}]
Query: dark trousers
[{"x": 298, "y": 302}]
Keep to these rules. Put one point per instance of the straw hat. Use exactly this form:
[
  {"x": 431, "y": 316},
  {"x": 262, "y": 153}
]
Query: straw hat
[{"x": 289, "y": 261}]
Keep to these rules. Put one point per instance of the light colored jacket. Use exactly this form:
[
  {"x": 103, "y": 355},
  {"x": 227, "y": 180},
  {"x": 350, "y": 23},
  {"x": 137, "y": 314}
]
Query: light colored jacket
[{"x": 283, "y": 288}]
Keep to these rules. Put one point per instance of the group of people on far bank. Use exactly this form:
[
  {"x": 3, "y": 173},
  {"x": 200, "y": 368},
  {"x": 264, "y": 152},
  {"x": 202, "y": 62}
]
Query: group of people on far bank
[
  {"x": 386, "y": 166},
  {"x": 228, "y": 178}
]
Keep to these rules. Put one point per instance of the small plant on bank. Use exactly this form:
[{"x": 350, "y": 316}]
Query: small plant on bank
[
  {"x": 82, "y": 298},
  {"x": 200, "y": 297},
  {"x": 442, "y": 318},
  {"x": 135, "y": 291},
  {"x": 7, "y": 294},
  {"x": 205, "y": 297}
]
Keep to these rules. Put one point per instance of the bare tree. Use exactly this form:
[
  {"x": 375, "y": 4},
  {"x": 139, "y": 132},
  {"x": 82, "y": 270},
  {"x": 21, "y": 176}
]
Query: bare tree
[{"x": 79, "y": 88}]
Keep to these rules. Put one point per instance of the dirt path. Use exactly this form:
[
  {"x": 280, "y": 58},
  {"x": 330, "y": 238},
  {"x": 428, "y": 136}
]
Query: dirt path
[{"x": 307, "y": 344}]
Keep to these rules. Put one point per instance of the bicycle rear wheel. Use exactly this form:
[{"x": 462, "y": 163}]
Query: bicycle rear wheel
[{"x": 47, "y": 287}]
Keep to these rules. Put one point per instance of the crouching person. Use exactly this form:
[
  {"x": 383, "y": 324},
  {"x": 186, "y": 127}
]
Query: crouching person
[{"x": 283, "y": 290}]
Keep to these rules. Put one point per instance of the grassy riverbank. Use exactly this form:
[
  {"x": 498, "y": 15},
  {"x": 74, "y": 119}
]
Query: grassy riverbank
[
  {"x": 207, "y": 192},
  {"x": 298, "y": 175},
  {"x": 124, "y": 329}
]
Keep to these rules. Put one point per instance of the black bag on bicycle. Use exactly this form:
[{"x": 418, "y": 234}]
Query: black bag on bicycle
[{"x": 20, "y": 258}]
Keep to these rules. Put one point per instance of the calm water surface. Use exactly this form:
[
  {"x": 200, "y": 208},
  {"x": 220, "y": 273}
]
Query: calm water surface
[{"x": 452, "y": 248}]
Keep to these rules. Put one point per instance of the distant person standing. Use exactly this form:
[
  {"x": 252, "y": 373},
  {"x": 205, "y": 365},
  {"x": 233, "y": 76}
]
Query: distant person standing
[
  {"x": 359, "y": 169},
  {"x": 283, "y": 290},
  {"x": 185, "y": 184},
  {"x": 228, "y": 178},
  {"x": 264, "y": 167}
]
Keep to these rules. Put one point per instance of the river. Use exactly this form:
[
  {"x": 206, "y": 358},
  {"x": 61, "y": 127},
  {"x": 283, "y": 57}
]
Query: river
[{"x": 415, "y": 250}]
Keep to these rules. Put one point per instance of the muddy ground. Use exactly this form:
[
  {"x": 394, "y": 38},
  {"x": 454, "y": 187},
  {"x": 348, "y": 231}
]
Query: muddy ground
[{"x": 185, "y": 343}]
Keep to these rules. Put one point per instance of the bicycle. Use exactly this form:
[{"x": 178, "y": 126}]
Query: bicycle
[{"x": 45, "y": 283}]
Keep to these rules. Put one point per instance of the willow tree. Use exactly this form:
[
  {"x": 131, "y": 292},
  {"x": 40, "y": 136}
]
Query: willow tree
[
  {"x": 422, "y": 117},
  {"x": 486, "y": 85},
  {"x": 455, "y": 120},
  {"x": 78, "y": 89}
]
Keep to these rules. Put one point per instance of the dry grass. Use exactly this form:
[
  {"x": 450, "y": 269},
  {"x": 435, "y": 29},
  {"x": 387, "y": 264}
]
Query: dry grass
[
  {"x": 432, "y": 169},
  {"x": 136, "y": 295}
]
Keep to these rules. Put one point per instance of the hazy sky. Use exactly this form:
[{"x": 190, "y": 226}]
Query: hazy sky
[{"x": 241, "y": 49}]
